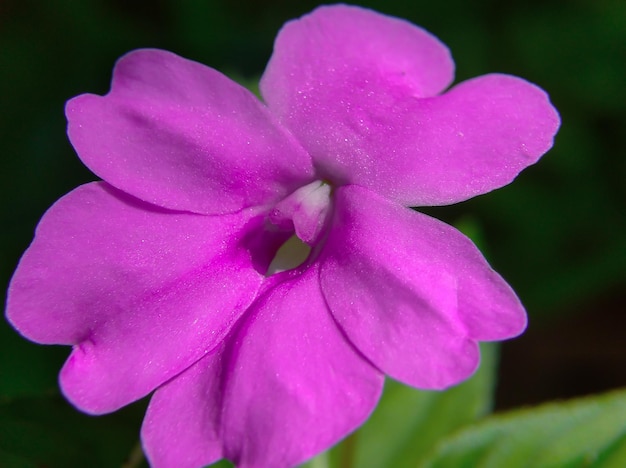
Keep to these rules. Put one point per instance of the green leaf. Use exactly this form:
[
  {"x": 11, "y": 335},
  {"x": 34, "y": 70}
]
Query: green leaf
[
  {"x": 407, "y": 422},
  {"x": 585, "y": 432}
]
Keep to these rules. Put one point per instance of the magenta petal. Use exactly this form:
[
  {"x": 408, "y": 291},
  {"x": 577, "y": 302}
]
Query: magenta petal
[
  {"x": 297, "y": 385},
  {"x": 412, "y": 293},
  {"x": 473, "y": 139},
  {"x": 182, "y": 425},
  {"x": 142, "y": 292},
  {"x": 357, "y": 87},
  {"x": 181, "y": 135},
  {"x": 326, "y": 53},
  {"x": 289, "y": 387}
]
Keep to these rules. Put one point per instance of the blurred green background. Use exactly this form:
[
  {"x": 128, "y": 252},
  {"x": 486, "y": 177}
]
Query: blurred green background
[{"x": 558, "y": 234}]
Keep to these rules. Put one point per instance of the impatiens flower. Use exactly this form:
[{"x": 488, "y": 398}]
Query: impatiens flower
[{"x": 172, "y": 274}]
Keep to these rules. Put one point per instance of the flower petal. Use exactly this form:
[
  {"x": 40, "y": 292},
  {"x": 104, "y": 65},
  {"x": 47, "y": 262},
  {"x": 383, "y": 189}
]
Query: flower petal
[
  {"x": 412, "y": 293},
  {"x": 142, "y": 292},
  {"x": 314, "y": 55},
  {"x": 182, "y": 424},
  {"x": 356, "y": 88},
  {"x": 289, "y": 386},
  {"x": 181, "y": 135},
  {"x": 473, "y": 139}
]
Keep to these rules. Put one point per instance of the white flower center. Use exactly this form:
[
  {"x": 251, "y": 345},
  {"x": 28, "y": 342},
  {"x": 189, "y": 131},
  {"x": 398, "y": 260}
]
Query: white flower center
[{"x": 304, "y": 213}]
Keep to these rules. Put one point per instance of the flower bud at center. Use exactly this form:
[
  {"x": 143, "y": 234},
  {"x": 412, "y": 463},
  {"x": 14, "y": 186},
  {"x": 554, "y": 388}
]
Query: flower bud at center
[{"x": 304, "y": 211}]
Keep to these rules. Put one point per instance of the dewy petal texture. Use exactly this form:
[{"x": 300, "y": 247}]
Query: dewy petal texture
[
  {"x": 288, "y": 383},
  {"x": 359, "y": 90},
  {"x": 141, "y": 291},
  {"x": 412, "y": 293},
  {"x": 181, "y": 135}
]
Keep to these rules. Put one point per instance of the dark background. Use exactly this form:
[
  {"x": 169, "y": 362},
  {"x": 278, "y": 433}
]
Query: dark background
[{"x": 557, "y": 234}]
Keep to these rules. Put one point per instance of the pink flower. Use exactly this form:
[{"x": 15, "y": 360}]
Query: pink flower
[{"x": 160, "y": 276}]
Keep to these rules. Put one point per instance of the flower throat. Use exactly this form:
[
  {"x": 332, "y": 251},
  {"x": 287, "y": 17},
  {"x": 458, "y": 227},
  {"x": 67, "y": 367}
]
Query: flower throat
[{"x": 304, "y": 213}]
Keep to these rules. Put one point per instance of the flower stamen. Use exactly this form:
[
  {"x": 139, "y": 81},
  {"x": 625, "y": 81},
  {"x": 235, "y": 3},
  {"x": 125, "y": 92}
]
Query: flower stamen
[{"x": 304, "y": 211}]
